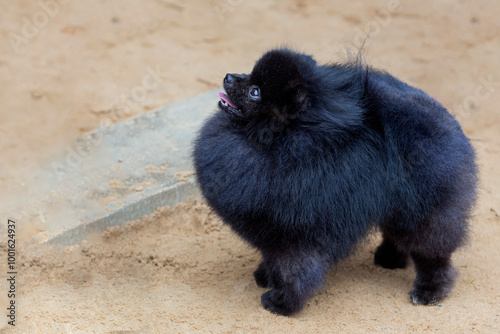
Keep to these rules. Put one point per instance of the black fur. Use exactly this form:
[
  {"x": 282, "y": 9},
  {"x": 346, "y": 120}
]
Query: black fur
[{"x": 326, "y": 153}]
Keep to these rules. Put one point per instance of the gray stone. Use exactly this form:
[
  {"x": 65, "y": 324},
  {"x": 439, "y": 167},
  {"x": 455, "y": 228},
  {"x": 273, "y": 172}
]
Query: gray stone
[{"x": 127, "y": 170}]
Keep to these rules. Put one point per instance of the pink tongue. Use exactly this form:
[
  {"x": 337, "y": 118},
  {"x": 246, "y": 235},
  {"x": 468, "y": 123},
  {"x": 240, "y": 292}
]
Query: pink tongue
[{"x": 225, "y": 98}]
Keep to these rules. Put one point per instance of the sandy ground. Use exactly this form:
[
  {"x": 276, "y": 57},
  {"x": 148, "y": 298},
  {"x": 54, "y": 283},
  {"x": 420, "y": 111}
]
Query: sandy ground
[{"x": 70, "y": 67}]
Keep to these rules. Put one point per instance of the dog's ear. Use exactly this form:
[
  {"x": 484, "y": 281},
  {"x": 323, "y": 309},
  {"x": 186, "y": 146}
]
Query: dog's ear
[
  {"x": 302, "y": 67},
  {"x": 302, "y": 100},
  {"x": 300, "y": 93},
  {"x": 297, "y": 84},
  {"x": 295, "y": 78},
  {"x": 291, "y": 111},
  {"x": 308, "y": 60}
]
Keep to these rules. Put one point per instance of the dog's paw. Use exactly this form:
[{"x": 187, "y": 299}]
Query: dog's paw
[
  {"x": 433, "y": 291},
  {"x": 425, "y": 297},
  {"x": 275, "y": 301}
]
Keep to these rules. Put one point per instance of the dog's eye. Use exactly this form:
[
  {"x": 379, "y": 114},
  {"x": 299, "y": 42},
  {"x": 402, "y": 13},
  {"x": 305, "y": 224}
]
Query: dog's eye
[{"x": 254, "y": 92}]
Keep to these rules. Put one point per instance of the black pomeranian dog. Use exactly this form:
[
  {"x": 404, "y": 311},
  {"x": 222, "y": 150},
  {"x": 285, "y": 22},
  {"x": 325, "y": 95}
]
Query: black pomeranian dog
[{"x": 303, "y": 160}]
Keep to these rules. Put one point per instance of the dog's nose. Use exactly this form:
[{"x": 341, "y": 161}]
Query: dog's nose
[{"x": 229, "y": 79}]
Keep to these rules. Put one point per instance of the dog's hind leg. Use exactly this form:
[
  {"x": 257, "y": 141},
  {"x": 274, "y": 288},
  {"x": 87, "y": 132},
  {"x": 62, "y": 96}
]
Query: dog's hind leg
[
  {"x": 293, "y": 276},
  {"x": 435, "y": 279}
]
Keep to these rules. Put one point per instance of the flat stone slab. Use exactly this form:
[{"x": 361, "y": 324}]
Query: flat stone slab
[{"x": 124, "y": 171}]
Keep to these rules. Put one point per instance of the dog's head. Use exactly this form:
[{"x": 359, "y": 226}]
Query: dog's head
[{"x": 277, "y": 87}]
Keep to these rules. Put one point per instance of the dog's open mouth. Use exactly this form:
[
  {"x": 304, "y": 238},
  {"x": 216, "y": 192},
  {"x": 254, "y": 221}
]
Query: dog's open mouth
[
  {"x": 226, "y": 104},
  {"x": 226, "y": 101}
]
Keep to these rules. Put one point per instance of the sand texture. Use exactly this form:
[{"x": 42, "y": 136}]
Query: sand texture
[{"x": 181, "y": 270}]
